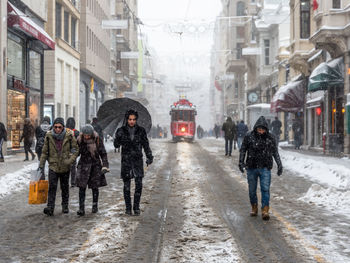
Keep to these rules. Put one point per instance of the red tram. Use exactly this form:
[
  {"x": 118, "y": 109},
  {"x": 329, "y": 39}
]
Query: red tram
[{"x": 183, "y": 123}]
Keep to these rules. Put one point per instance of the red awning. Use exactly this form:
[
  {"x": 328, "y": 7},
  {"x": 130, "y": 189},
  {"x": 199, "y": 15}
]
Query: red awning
[
  {"x": 18, "y": 19},
  {"x": 289, "y": 98}
]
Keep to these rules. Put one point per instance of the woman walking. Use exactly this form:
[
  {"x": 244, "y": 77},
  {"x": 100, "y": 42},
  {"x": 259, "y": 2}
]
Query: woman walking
[{"x": 92, "y": 166}]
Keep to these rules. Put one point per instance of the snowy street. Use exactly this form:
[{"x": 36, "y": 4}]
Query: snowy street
[{"x": 194, "y": 208}]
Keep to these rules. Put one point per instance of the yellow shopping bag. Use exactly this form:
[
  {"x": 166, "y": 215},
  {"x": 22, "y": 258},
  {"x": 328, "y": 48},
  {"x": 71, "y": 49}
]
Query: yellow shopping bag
[{"x": 38, "y": 192}]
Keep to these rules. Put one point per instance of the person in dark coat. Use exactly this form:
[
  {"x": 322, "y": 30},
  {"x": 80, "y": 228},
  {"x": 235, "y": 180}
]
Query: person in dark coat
[
  {"x": 217, "y": 131},
  {"x": 40, "y": 133},
  {"x": 276, "y": 129},
  {"x": 60, "y": 150},
  {"x": 132, "y": 138},
  {"x": 242, "y": 130},
  {"x": 70, "y": 124},
  {"x": 28, "y": 136},
  {"x": 97, "y": 127},
  {"x": 3, "y": 138},
  {"x": 258, "y": 149},
  {"x": 92, "y": 166},
  {"x": 229, "y": 129},
  {"x": 297, "y": 128}
]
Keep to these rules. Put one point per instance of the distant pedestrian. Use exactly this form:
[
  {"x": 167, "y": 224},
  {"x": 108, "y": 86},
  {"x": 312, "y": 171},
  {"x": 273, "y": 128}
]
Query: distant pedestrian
[
  {"x": 70, "y": 124},
  {"x": 3, "y": 138},
  {"x": 97, "y": 128},
  {"x": 28, "y": 137},
  {"x": 40, "y": 133},
  {"x": 276, "y": 129},
  {"x": 92, "y": 166},
  {"x": 258, "y": 149},
  {"x": 217, "y": 131},
  {"x": 242, "y": 130},
  {"x": 132, "y": 138},
  {"x": 229, "y": 129},
  {"x": 297, "y": 128},
  {"x": 60, "y": 150}
]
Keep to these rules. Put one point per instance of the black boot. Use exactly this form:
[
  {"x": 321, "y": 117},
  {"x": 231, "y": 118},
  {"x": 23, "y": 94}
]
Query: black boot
[
  {"x": 48, "y": 211},
  {"x": 65, "y": 209},
  {"x": 81, "y": 211},
  {"x": 95, "y": 200},
  {"x": 33, "y": 156},
  {"x": 26, "y": 159}
]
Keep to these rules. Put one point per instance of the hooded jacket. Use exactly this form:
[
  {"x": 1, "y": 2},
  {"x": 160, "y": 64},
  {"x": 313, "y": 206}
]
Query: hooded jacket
[{"x": 257, "y": 150}]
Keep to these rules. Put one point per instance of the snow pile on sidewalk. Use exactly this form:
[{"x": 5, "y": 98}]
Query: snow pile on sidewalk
[
  {"x": 13, "y": 182},
  {"x": 331, "y": 177}
]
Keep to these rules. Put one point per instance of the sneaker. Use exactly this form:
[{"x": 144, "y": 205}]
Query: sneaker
[{"x": 48, "y": 211}]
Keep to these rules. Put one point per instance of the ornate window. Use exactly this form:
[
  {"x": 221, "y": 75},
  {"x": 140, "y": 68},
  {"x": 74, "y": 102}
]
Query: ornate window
[
  {"x": 336, "y": 4},
  {"x": 240, "y": 8}
]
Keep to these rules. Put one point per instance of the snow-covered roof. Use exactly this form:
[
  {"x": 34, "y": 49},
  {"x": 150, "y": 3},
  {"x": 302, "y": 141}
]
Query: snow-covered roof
[{"x": 260, "y": 105}]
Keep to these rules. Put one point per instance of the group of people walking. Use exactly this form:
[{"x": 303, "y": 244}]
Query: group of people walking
[{"x": 234, "y": 134}]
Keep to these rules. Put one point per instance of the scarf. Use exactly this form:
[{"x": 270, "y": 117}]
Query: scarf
[
  {"x": 60, "y": 136},
  {"x": 90, "y": 144}
]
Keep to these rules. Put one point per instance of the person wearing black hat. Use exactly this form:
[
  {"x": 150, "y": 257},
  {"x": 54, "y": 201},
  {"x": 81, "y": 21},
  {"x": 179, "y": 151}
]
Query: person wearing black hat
[
  {"x": 132, "y": 138},
  {"x": 256, "y": 155},
  {"x": 60, "y": 150},
  {"x": 92, "y": 166}
]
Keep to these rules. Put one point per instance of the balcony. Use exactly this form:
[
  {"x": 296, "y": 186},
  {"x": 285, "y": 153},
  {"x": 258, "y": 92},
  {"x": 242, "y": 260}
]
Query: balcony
[{"x": 235, "y": 63}]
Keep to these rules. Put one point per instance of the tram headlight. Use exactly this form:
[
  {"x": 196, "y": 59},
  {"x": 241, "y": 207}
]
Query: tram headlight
[{"x": 183, "y": 129}]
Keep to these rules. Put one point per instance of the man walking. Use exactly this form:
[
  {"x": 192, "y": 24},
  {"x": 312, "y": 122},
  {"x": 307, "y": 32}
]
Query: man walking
[
  {"x": 3, "y": 137},
  {"x": 276, "y": 129},
  {"x": 132, "y": 138},
  {"x": 229, "y": 128},
  {"x": 28, "y": 136},
  {"x": 256, "y": 153},
  {"x": 60, "y": 150},
  {"x": 242, "y": 130}
]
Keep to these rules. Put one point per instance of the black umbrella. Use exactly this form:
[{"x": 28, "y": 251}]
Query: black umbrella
[{"x": 112, "y": 112}]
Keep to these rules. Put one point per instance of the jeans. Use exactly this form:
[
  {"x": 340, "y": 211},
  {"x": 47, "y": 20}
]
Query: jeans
[
  {"x": 239, "y": 142},
  {"x": 137, "y": 194},
  {"x": 228, "y": 146},
  {"x": 53, "y": 182},
  {"x": 265, "y": 179}
]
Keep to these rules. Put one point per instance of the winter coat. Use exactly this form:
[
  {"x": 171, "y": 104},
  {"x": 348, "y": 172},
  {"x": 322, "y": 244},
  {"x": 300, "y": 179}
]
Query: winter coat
[
  {"x": 229, "y": 127},
  {"x": 297, "y": 128},
  {"x": 3, "y": 132},
  {"x": 59, "y": 162},
  {"x": 257, "y": 150},
  {"x": 89, "y": 167},
  {"x": 28, "y": 133},
  {"x": 276, "y": 127},
  {"x": 132, "y": 161},
  {"x": 40, "y": 133},
  {"x": 242, "y": 129}
]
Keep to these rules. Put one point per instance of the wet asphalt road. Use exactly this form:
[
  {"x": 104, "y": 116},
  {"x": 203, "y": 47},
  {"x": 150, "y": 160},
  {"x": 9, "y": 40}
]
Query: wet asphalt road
[{"x": 27, "y": 235}]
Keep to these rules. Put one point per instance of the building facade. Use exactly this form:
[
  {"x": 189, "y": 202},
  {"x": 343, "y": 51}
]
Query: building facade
[{"x": 63, "y": 64}]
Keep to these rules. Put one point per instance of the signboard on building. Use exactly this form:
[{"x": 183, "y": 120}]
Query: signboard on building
[
  {"x": 129, "y": 55},
  {"x": 114, "y": 24}
]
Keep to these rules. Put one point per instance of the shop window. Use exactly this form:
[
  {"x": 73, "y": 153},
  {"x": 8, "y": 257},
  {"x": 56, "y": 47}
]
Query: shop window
[
  {"x": 240, "y": 8},
  {"x": 304, "y": 19},
  {"x": 34, "y": 106},
  {"x": 58, "y": 20},
  {"x": 34, "y": 69},
  {"x": 267, "y": 51},
  {"x": 66, "y": 26},
  {"x": 73, "y": 32},
  {"x": 336, "y": 4},
  {"x": 15, "y": 55},
  {"x": 16, "y": 110}
]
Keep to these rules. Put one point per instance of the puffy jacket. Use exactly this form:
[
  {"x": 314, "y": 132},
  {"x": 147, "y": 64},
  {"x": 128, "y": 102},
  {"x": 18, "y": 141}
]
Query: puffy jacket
[
  {"x": 257, "y": 150},
  {"x": 59, "y": 162}
]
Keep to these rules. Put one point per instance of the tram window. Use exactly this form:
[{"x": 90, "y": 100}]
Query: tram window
[
  {"x": 180, "y": 115},
  {"x": 192, "y": 116},
  {"x": 186, "y": 115}
]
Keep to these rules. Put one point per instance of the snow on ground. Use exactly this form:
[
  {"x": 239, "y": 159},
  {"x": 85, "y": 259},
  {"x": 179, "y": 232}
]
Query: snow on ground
[
  {"x": 203, "y": 237},
  {"x": 17, "y": 181}
]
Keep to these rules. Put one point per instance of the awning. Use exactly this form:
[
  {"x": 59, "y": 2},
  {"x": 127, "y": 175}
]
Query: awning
[
  {"x": 326, "y": 75},
  {"x": 21, "y": 21},
  {"x": 289, "y": 98}
]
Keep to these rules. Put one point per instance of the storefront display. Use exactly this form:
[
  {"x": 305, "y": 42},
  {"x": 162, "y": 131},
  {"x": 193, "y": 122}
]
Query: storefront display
[{"x": 16, "y": 113}]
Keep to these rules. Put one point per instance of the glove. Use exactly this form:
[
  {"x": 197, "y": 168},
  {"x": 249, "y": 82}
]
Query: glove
[
  {"x": 241, "y": 167},
  {"x": 105, "y": 170},
  {"x": 149, "y": 161},
  {"x": 279, "y": 171}
]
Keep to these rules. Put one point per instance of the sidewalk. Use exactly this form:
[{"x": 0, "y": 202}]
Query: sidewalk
[{"x": 14, "y": 163}]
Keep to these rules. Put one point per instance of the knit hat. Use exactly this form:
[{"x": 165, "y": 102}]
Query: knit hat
[
  {"x": 59, "y": 120},
  {"x": 87, "y": 130}
]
